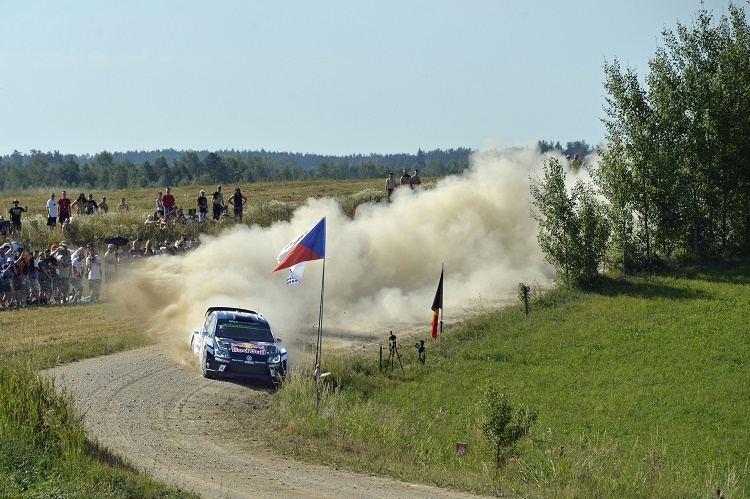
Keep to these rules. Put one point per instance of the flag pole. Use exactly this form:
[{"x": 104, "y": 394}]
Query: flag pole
[
  {"x": 442, "y": 306},
  {"x": 320, "y": 337}
]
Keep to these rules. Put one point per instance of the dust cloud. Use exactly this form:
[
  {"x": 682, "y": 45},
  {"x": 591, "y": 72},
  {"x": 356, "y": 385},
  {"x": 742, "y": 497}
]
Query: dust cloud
[{"x": 381, "y": 269}]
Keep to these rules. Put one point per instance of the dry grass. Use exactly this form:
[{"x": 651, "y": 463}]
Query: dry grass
[{"x": 45, "y": 336}]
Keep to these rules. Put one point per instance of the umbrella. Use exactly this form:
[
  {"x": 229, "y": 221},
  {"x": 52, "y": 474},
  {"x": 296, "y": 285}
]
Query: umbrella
[{"x": 116, "y": 240}]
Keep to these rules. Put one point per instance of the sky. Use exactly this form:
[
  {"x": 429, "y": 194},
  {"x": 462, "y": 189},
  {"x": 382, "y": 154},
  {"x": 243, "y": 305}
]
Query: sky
[{"x": 324, "y": 77}]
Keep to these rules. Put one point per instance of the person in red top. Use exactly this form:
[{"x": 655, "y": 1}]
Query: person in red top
[
  {"x": 168, "y": 200},
  {"x": 63, "y": 205}
]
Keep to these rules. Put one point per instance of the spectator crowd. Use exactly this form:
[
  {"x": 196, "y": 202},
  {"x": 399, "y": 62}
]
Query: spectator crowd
[{"x": 60, "y": 275}]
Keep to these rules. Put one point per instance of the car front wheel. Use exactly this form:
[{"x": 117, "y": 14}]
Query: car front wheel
[{"x": 204, "y": 366}]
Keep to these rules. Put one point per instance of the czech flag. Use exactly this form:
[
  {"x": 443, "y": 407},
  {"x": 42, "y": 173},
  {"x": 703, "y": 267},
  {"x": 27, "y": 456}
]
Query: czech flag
[
  {"x": 437, "y": 304},
  {"x": 310, "y": 245}
]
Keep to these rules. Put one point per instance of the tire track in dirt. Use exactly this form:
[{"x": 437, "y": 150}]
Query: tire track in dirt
[{"x": 170, "y": 422}]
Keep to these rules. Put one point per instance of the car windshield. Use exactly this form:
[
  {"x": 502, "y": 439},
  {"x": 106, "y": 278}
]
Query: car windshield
[{"x": 245, "y": 331}]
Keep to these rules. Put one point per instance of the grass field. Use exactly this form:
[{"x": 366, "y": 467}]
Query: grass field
[{"x": 641, "y": 390}]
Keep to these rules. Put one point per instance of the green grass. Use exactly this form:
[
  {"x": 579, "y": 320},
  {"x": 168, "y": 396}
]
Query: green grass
[
  {"x": 43, "y": 449},
  {"x": 641, "y": 388},
  {"x": 45, "y": 452}
]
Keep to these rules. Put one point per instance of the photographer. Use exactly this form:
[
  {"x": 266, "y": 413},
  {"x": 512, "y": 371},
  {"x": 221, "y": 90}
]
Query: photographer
[
  {"x": 420, "y": 351},
  {"x": 94, "y": 270}
]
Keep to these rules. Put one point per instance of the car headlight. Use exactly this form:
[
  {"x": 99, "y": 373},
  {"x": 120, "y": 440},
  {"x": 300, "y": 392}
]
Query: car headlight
[
  {"x": 275, "y": 359},
  {"x": 221, "y": 353}
]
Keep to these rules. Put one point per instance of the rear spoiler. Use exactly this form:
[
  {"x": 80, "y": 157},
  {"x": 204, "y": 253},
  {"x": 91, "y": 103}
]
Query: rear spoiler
[{"x": 230, "y": 309}]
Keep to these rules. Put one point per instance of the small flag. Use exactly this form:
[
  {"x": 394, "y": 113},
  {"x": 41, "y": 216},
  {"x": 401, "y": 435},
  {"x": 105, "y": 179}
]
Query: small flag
[
  {"x": 437, "y": 304},
  {"x": 295, "y": 273},
  {"x": 310, "y": 245}
]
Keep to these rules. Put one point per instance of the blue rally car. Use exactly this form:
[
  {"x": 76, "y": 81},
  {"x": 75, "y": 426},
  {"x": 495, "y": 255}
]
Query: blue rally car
[{"x": 238, "y": 343}]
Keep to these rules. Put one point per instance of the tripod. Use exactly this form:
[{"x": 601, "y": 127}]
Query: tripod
[
  {"x": 420, "y": 351},
  {"x": 393, "y": 352}
]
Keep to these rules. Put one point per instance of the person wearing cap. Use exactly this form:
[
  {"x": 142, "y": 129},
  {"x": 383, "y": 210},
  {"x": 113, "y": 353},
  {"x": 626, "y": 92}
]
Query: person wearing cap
[
  {"x": 103, "y": 206},
  {"x": 238, "y": 200},
  {"x": 15, "y": 216},
  {"x": 202, "y": 206},
  {"x": 63, "y": 208},
  {"x": 390, "y": 185},
  {"x": 51, "y": 211},
  {"x": 217, "y": 199}
]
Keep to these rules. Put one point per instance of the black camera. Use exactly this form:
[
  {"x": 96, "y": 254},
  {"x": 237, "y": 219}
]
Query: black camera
[
  {"x": 392, "y": 337},
  {"x": 419, "y": 346}
]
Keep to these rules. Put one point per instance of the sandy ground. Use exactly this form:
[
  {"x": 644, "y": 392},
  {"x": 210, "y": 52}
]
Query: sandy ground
[{"x": 165, "y": 418}]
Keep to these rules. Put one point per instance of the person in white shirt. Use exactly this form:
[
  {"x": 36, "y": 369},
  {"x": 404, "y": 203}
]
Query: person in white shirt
[
  {"x": 51, "y": 211},
  {"x": 94, "y": 266},
  {"x": 78, "y": 265}
]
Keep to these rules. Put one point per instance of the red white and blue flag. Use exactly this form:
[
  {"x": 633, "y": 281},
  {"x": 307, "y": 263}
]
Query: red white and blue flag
[{"x": 310, "y": 245}]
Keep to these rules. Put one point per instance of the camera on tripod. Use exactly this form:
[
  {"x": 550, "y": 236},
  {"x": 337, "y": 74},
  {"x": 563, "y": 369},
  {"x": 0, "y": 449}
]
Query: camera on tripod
[{"x": 393, "y": 354}]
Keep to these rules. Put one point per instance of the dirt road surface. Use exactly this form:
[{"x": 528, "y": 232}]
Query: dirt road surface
[{"x": 170, "y": 422}]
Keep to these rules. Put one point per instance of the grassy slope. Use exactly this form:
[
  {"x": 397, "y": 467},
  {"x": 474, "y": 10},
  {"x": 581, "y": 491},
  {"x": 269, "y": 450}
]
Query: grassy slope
[
  {"x": 643, "y": 385},
  {"x": 641, "y": 391}
]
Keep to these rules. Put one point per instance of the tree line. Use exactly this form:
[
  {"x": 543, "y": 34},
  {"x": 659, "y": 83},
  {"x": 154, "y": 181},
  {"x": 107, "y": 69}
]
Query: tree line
[
  {"x": 673, "y": 180},
  {"x": 139, "y": 169}
]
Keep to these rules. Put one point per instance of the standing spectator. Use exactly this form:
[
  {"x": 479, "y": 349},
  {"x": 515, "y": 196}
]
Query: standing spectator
[
  {"x": 44, "y": 274},
  {"x": 15, "y": 216},
  {"x": 91, "y": 205},
  {"x": 110, "y": 267},
  {"x": 18, "y": 280},
  {"x": 80, "y": 204},
  {"x": 416, "y": 182},
  {"x": 238, "y": 200},
  {"x": 77, "y": 266},
  {"x": 406, "y": 179},
  {"x": 103, "y": 206},
  {"x": 63, "y": 271},
  {"x": 123, "y": 205},
  {"x": 94, "y": 267},
  {"x": 168, "y": 202},
  {"x": 390, "y": 185},
  {"x": 217, "y": 199},
  {"x": 34, "y": 288},
  {"x": 8, "y": 274},
  {"x": 159, "y": 204},
  {"x": 52, "y": 264},
  {"x": 51, "y": 211},
  {"x": 63, "y": 208},
  {"x": 202, "y": 206}
]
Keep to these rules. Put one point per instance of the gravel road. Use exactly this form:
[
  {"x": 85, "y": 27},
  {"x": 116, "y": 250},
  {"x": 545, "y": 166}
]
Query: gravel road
[{"x": 161, "y": 415}]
